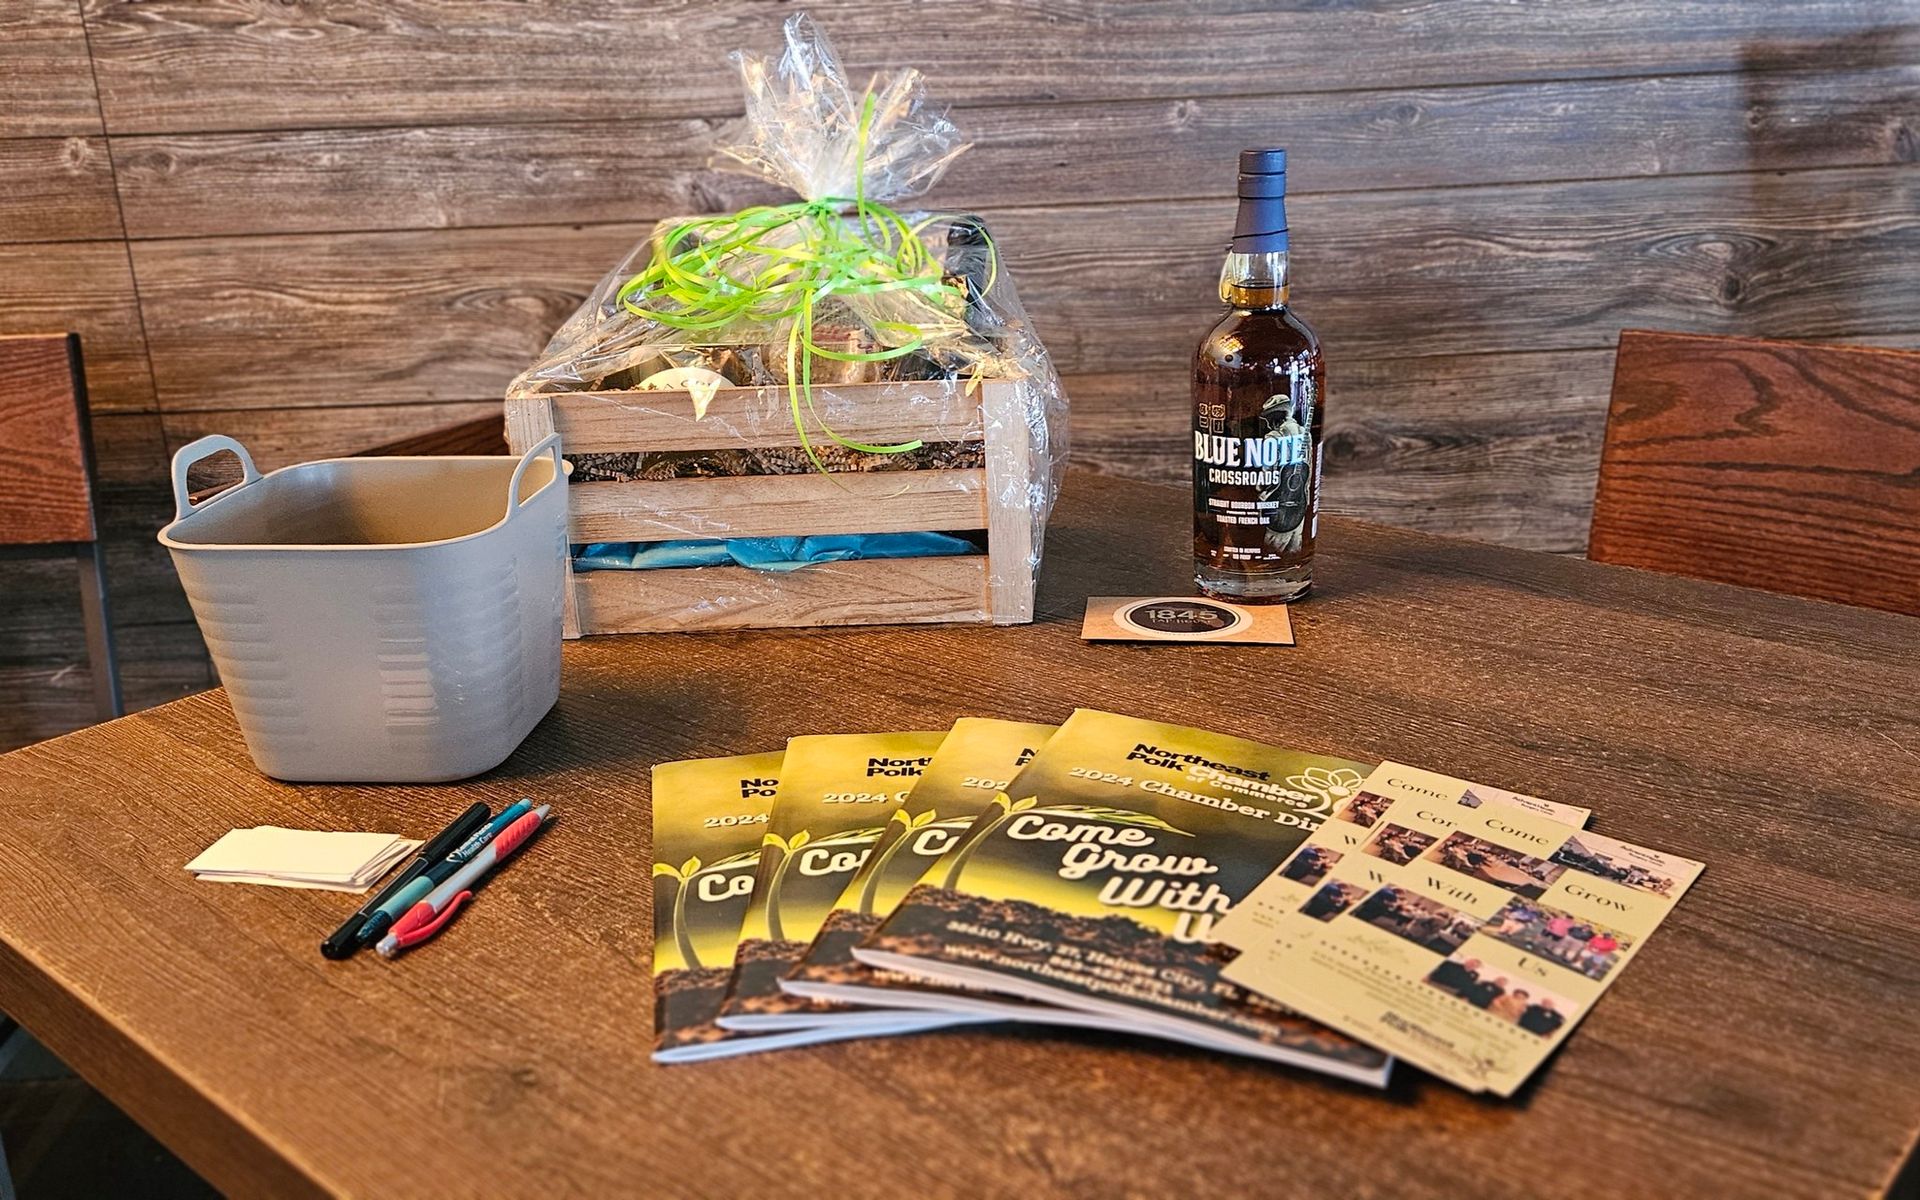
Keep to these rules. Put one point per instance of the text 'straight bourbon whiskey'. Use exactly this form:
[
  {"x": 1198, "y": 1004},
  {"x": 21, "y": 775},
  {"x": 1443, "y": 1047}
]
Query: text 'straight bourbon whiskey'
[{"x": 1258, "y": 411}]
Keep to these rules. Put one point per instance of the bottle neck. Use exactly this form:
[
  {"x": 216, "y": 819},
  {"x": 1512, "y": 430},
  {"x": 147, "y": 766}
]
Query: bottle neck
[{"x": 1254, "y": 280}]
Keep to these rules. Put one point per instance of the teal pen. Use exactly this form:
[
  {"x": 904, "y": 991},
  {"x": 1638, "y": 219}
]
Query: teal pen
[
  {"x": 486, "y": 833},
  {"x": 432, "y": 914},
  {"x": 410, "y": 895}
]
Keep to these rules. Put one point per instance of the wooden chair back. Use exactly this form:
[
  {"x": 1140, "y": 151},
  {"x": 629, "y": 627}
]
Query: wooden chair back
[
  {"x": 47, "y": 483},
  {"x": 46, "y": 452},
  {"x": 1777, "y": 465}
]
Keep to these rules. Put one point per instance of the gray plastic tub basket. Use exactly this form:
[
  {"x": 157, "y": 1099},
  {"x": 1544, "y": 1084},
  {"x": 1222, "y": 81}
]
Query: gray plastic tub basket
[{"x": 379, "y": 619}]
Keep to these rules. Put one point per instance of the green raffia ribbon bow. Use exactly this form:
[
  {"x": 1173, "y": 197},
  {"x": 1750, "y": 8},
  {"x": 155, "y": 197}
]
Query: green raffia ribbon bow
[{"x": 800, "y": 255}]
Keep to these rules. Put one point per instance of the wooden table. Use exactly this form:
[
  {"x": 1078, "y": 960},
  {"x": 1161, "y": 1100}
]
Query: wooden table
[{"x": 1766, "y": 1042}]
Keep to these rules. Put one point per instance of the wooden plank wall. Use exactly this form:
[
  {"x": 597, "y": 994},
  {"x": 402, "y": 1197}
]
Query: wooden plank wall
[
  {"x": 319, "y": 225},
  {"x": 65, "y": 264}
]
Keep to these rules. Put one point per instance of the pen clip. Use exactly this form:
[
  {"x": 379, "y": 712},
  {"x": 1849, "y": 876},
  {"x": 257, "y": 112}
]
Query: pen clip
[{"x": 413, "y": 937}]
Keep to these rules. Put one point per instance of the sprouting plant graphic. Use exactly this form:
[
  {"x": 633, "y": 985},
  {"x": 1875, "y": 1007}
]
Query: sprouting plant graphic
[
  {"x": 790, "y": 850},
  {"x": 1331, "y": 786},
  {"x": 1008, "y": 808},
  {"x": 685, "y": 874},
  {"x": 998, "y": 811},
  {"x": 787, "y": 848},
  {"x": 744, "y": 858},
  {"x": 682, "y": 876},
  {"x": 878, "y": 867}
]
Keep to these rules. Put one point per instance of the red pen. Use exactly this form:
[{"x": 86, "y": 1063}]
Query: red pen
[{"x": 432, "y": 914}]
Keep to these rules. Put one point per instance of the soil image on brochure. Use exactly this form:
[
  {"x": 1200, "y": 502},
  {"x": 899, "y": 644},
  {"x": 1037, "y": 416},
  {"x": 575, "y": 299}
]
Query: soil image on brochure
[
  {"x": 708, "y": 815},
  {"x": 758, "y": 966},
  {"x": 831, "y": 958},
  {"x": 1101, "y": 956},
  {"x": 836, "y": 795},
  {"x": 975, "y": 763},
  {"x": 1093, "y": 882},
  {"x": 685, "y": 1002}
]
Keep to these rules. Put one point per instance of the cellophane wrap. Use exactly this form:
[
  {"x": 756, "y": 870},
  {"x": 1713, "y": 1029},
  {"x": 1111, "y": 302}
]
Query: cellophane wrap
[{"x": 807, "y": 129}]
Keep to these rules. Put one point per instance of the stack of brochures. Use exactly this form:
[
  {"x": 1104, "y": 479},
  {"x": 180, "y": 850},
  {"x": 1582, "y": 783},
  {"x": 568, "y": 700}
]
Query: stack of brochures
[{"x": 1122, "y": 874}]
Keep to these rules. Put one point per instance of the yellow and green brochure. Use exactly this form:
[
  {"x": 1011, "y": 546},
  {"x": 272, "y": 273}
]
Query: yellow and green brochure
[
  {"x": 708, "y": 815},
  {"x": 973, "y": 765},
  {"x": 1464, "y": 934},
  {"x": 837, "y": 792},
  {"x": 1092, "y": 885},
  {"x": 707, "y": 818}
]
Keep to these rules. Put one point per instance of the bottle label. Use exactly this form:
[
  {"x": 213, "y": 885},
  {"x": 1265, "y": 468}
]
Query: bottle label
[{"x": 1261, "y": 474}]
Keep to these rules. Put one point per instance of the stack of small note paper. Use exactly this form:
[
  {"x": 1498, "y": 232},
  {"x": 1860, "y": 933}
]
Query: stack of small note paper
[{"x": 302, "y": 858}]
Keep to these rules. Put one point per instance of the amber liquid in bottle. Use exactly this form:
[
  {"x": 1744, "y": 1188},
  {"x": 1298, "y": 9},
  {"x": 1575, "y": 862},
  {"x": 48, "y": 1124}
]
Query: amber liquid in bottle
[{"x": 1258, "y": 413}]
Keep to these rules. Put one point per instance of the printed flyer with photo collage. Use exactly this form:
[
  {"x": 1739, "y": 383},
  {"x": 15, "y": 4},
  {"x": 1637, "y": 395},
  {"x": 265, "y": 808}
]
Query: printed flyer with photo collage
[{"x": 1451, "y": 926}]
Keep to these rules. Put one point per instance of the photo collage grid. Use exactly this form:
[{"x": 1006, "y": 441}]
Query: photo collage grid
[{"x": 1523, "y": 923}]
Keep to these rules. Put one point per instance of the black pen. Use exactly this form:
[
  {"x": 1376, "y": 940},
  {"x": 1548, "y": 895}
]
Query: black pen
[{"x": 346, "y": 939}]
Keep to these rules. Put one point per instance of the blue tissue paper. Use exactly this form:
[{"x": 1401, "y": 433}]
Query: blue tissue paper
[{"x": 765, "y": 554}]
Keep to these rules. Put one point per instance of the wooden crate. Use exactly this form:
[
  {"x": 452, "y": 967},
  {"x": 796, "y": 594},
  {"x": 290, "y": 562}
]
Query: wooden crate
[{"x": 996, "y": 587}]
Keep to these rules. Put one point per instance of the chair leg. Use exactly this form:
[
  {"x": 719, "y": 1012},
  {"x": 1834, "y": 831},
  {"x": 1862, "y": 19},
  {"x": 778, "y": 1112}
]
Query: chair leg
[
  {"x": 8, "y": 1032},
  {"x": 93, "y": 608}
]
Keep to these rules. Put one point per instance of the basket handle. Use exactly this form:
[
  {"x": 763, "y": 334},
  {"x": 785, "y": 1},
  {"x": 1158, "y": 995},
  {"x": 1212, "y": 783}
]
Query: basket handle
[
  {"x": 186, "y": 456},
  {"x": 550, "y": 442}
]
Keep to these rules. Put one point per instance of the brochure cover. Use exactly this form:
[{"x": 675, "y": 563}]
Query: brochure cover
[
  {"x": 837, "y": 792},
  {"x": 707, "y": 818},
  {"x": 1466, "y": 938},
  {"x": 892, "y": 990},
  {"x": 973, "y": 766},
  {"x": 1094, "y": 881}
]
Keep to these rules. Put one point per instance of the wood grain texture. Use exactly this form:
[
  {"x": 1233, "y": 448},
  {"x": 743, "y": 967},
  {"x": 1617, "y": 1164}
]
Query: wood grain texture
[
  {"x": 995, "y": 499},
  {"x": 40, "y": 589},
  {"x": 1498, "y": 447},
  {"x": 1732, "y": 727},
  {"x": 777, "y": 506},
  {"x": 1517, "y": 268},
  {"x": 56, "y": 189},
  {"x": 881, "y": 413},
  {"x": 86, "y": 287},
  {"x": 1774, "y": 465},
  {"x": 46, "y": 454},
  {"x": 281, "y": 66},
  {"x": 309, "y": 181},
  {"x": 282, "y": 437},
  {"x": 1502, "y": 448},
  {"x": 46, "y": 79},
  {"x": 481, "y": 435},
  {"x": 44, "y": 593},
  {"x": 1017, "y": 481},
  {"x": 455, "y": 314},
  {"x": 44, "y": 683},
  {"x": 477, "y": 431},
  {"x": 362, "y": 319},
  {"x": 856, "y": 592},
  {"x": 158, "y": 663}
]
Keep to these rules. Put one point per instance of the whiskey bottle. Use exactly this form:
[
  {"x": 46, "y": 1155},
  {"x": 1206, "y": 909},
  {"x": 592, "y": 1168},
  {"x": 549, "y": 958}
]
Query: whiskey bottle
[{"x": 1258, "y": 412}]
